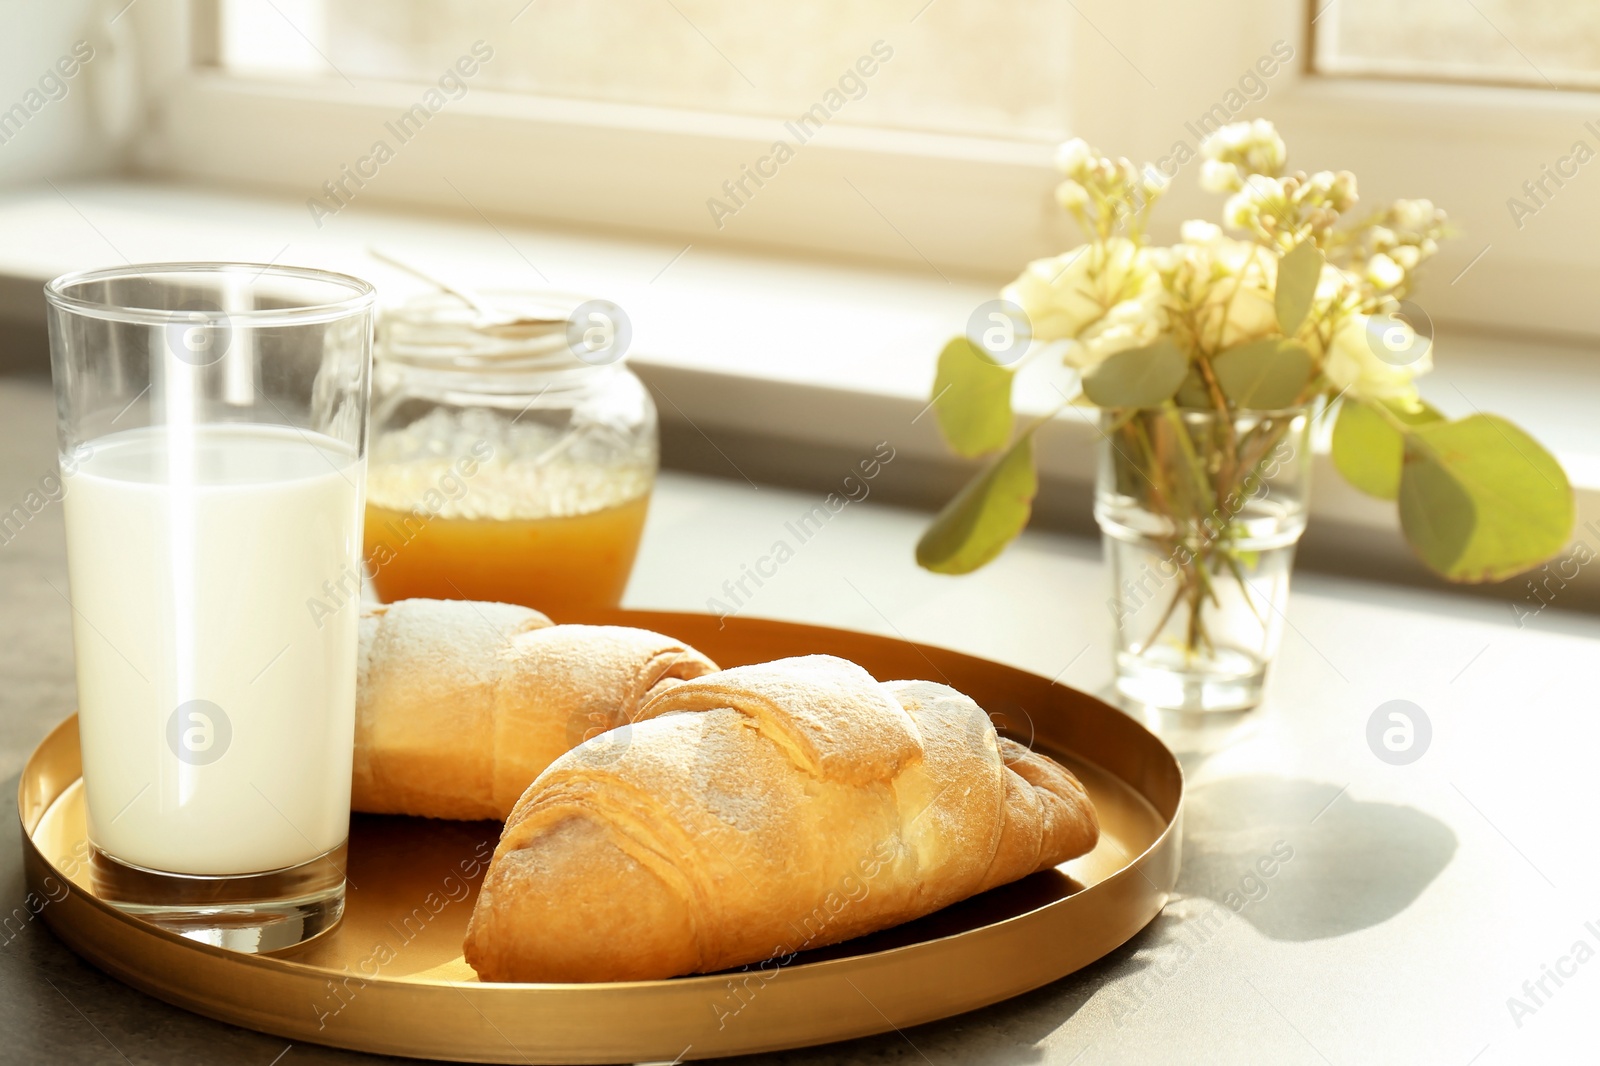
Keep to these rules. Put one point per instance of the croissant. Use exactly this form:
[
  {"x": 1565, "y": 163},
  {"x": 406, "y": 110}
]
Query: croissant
[
  {"x": 750, "y": 814},
  {"x": 460, "y": 705}
]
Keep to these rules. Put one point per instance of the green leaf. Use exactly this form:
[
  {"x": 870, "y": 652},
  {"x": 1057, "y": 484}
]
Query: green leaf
[
  {"x": 1480, "y": 500},
  {"x": 1138, "y": 377},
  {"x": 1368, "y": 448},
  {"x": 1298, "y": 274},
  {"x": 985, "y": 515},
  {"x": 1264, "y": 375},
  {"x": 1192, "y": 393},
  {"x": 972, "y": 398}
]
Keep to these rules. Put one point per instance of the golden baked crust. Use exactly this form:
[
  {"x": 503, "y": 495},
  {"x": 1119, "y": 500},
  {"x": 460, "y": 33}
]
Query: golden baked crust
[
  {"x": 460, "y": 705},
  {"x": 756, "y": 812}
]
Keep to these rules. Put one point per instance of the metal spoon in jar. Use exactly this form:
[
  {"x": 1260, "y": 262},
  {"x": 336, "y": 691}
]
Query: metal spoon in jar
[{"x": 492, "y": 321}]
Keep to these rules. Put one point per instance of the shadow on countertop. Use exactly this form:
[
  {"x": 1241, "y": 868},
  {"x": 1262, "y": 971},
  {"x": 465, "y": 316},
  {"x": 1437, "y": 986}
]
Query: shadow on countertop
[
  {"x": 1299, "y": 860},
  {"x": 1305, "y": 860}
]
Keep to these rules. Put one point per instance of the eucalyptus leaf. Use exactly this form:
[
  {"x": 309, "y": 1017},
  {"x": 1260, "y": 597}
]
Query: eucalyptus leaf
[
  {"x": 1298, "y": 274},
  {"x": 1368, "y": 448},
  {"x": 1192, "y": 393},
  {"x": 972, "y": 399},
  {"x": 1263, "y": 375},
  {"x": 985, "y": 515},
  {"x": 1480, "y": 500},
  {"x": 1138, "y": 377}
]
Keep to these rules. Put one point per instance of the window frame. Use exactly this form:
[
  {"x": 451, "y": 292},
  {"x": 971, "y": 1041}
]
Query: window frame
[
  {"x": 943, "y": 206},
  {"x": 1377, "y": 71}
]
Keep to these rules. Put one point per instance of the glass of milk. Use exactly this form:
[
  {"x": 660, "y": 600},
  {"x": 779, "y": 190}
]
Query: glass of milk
[{"x": 213, "y": 428}]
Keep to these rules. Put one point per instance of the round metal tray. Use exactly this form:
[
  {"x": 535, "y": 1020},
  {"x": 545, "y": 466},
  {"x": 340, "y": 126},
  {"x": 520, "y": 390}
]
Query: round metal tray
[{"x": 390, "y": 978}]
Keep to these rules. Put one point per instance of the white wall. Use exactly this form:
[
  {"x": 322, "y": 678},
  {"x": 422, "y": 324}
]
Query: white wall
[{"x": 83, "y": 131}]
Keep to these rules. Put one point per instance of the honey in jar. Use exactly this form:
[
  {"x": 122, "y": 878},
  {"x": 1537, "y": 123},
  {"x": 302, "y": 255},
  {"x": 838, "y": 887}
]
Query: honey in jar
[{"x": 502, "y": 467}]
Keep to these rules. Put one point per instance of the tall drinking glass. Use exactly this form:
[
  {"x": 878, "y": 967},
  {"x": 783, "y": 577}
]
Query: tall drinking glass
[{"x": 213, "y": 427}]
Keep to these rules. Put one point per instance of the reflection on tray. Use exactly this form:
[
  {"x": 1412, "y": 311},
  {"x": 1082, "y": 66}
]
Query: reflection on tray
[
  {"x": 403, "y": 920},
  {"x": 412, "y": 884},
  {"x": 995, "y": 905}
]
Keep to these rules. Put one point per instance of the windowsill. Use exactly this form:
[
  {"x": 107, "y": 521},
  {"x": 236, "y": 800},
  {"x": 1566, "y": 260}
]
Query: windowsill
[{"x": 770, "y": 368}]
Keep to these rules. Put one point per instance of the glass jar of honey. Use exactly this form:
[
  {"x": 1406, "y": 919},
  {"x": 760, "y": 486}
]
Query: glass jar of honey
[{"x": 512, "y": 455}]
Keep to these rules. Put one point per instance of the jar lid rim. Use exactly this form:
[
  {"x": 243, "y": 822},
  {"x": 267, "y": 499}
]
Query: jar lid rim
[{"x": 438, "y": 331}]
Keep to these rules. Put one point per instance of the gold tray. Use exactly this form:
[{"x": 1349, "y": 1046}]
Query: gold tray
[{"x": 390, "y": 977}]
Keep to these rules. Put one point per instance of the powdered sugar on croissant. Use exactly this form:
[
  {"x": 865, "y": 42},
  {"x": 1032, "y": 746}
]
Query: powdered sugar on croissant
[
  {"x": 759, "y": 811},
  {"x": 461, "y": 705}
]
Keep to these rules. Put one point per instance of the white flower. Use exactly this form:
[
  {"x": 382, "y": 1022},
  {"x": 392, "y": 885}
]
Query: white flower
[
  {"x": 1072, "y": 156},
  {"x": 1227, "y": 140},
  {"x": 1258, "y": 195},
  {"x": 1376, "y": 357},
  {"x": 1407, "y": 255},
  {"x": 1153, "y": 181},
  {"x": 1063, "y": 295},
  {"x": 1071, "y": 196},
  {"x": 1240, "y": 211},
  {"x": 1337, "y": 291},
  {"x": 1413, "y": 216},
  {"x": 1384, "y": 272},
  {"x": 1254, "y": 146},
  {"x": 1130, "y": 324},
  {"x": 1220, "y": 177},
  {"x": 1251, "y": 314},
  {"x": 1332, "y": 189},
  {"x": 1226, "y": 284}
]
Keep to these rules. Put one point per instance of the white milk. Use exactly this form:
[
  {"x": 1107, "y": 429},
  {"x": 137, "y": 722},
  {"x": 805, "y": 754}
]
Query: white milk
[{"x": 192, "y": 555}]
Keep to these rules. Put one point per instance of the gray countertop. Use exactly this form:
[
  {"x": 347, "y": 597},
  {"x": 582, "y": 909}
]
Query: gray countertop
[{"x": 1418, "y": 900}]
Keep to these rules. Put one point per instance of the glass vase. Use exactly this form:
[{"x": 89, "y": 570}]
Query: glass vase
[{"x": 1200, "y": 514}]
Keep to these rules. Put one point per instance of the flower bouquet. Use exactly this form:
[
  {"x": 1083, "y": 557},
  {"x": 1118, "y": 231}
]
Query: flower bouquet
[{"x": 1210, "y": 361}]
